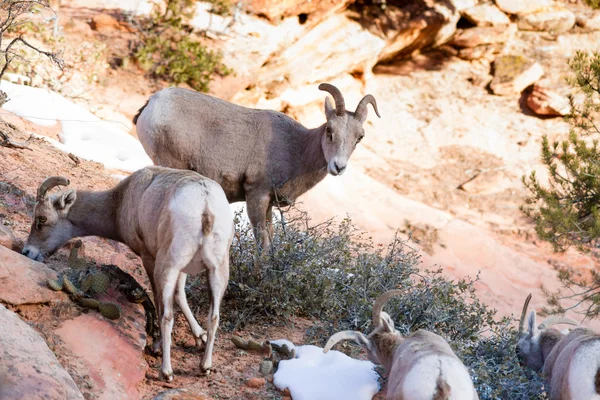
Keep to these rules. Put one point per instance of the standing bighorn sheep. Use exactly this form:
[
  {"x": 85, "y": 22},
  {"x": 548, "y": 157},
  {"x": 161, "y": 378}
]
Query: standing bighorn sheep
[
  {"x": 262, "y": 157},
  {"x": 570, "y": 362},
  {"x": 179, "y": 222},
  {"x": 420, "y": 367}
]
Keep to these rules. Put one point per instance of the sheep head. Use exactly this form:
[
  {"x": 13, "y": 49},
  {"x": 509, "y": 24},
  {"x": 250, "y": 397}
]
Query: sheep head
[
  {"x": 344, "y": 129},
  {"x": 535, "y": 342},
  {"x": 381, "y": 344},
  {"x": 50, "y": 228}
]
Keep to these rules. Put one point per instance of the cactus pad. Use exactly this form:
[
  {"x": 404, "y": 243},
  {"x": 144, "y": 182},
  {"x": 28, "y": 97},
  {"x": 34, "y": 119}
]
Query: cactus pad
[
  {"x": 100, "y": 282},
  {"x": 86, "y": 283},
  {"x": 266, "y": 366},
  {"x": 56, "y": 285},
  {"x": 69, "y": 286},
  {"x": 110, "y": 310},
  {"x": 90, "y": 303}
]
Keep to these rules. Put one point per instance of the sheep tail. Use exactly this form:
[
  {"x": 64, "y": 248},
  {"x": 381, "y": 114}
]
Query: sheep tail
[
  {"x": 442, "y": 389},
  {"x": 137, "y": 115},
  {"x": 208, "y": 221}
]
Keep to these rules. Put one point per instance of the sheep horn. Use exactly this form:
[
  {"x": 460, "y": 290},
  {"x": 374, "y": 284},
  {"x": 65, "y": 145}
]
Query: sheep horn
[
  {"x": 359, "y": 114},
  {"x": 49, "y": 183},
  {"x": 340, "y": 105},
  {"x": 345, "y": 335},
  {"x": 380, "y": 302},
  {"x": 556, "y": 319},
  {"x": 523, "y": 314}
]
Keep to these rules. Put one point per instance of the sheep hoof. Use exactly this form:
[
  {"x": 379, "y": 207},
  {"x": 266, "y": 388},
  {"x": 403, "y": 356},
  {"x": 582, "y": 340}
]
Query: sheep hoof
[
  {"x": 206, "y": 371},
  {"x": 167, "y": 376},
  {"x": 157, "y": 347},
  {"x": 201, "y": 340}
]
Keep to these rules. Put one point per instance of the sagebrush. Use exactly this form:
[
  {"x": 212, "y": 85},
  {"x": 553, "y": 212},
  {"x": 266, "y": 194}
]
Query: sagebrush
[
  {"x": 170, "y": 49},
  {"x": 332, "y": 273}
]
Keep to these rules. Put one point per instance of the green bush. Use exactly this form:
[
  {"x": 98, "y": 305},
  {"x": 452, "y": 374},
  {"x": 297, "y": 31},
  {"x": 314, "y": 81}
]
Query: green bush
[
  {"x": 169, "y": 49},
  {"x": 331, "y": 273}
]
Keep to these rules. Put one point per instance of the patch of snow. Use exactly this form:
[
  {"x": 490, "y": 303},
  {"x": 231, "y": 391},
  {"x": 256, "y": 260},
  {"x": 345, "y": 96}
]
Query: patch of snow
[
  {"x": 83, "y": 134},
  {"x": 313, "y": 375}
]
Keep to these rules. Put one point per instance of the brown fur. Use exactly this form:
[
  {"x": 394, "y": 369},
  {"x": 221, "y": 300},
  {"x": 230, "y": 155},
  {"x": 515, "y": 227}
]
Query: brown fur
[
  {"x": 597, "y": 381},
  {"x": 139, "y": 112},
  {"x": 442, "y": 390},
  {"x": 208, "y": 220}
]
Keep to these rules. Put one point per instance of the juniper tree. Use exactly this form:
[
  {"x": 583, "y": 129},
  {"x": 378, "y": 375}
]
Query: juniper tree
[{"x": 566, "y": 211}]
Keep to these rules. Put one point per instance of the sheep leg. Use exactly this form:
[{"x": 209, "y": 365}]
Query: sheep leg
[
  {"x": 257, "y": 208},
  {"x": 218, "y": 276},
  {"x": 149, "y": 264},
  {"x": 269, "y": 222},
  {"x": 168, "y": 267},
  {"x": 197, "y": 331}
]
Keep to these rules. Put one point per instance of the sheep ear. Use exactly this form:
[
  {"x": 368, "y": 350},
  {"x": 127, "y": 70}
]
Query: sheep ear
[
  {"x": 387, "y": 323},
  {"x": 328, "y": 107},
  {"x": 531, "y": 324},
  {"x": 65, "y": 200}
]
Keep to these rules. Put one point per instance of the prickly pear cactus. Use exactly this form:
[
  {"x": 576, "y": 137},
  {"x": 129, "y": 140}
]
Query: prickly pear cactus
[
  {"x": 86, "y": 283},
  {"x": 56, "y": 285},
  {"x": 90, "y": 303},
  {"x": 266, "y": 366},
  {"x": 110, "y": 310},
  {"x": 100, "y": 282},
  {"x": 69, "y": 286}
]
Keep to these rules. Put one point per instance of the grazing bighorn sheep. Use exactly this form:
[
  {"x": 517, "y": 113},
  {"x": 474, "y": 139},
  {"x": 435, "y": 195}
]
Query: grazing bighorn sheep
[
  {"x": 178, "y": 222},
  {"x": 570, "y": 362},
  {"x": 420, "y": 367},
  {"x": 262, "y": 157}
]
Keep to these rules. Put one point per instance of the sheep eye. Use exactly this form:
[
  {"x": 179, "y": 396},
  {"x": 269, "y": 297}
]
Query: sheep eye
[
  {"x": 42, "y": 220},
  {"x": 329, "y": 134}
]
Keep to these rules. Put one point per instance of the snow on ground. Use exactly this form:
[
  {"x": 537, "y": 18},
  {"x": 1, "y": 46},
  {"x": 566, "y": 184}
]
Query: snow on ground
[
  {"x": 83, "y": 134},
  {"x": 313, "y": 375}
]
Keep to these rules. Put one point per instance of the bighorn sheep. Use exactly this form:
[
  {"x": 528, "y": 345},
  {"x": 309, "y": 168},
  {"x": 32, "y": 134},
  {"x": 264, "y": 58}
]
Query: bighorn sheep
[
  {"x": 421, "y": 366},
  {"x": 570, "y": 362},
  {"x": 179, "y": 222},
  {"x": 262, "y": 157}
]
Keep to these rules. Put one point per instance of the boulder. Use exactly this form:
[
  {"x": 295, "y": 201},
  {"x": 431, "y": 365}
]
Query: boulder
[
  {"x": 514, "y": 73},
  {"x": 522, "y": 7},
  {"x": 333, "y": 47},
  {"x": 483, "y": 35},
  {"x": 555, "y": 19},
  {"x": 111, "y": 352},
  {"x": 7, "y": 239},
  {"x": 28, "y": 369},
  {"x": 23, "y": 281},
  {"x": 484, "y": 51},
  {"x": 486, "y": 15},
  {"x": 276, "y": 10},
  {"x": 105, "y": 23},
  {"x": 412, "y": 27},
  {"x": 460, "y": 5},
  {"x": 544, "y": 101},
  {"x": 591, "y": 22}
]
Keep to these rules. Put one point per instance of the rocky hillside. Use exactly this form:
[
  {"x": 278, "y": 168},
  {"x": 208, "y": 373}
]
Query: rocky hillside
[{"x": 466, "y": 89}]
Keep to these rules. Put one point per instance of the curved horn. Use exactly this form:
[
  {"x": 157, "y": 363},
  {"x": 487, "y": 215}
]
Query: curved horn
[
  {"x": 523, "y": 315},
  {"x": 49, "y": 183},
  {"x": 345, "y": 335},
  {"x": 340, "y": 105},
  {"x": 556, "y": 319},
  {"x": 380, "y": 302},
  {"x": 361, "y": 108}
]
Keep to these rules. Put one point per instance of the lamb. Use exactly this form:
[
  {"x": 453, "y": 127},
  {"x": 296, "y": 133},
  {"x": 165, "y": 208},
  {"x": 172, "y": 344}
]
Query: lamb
[
  {"x": 569, "y": 361},
  {"x": 421, "y": 366},
  {"x": 178, "y": 222},
  {"x": 262, "y": 157}
]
